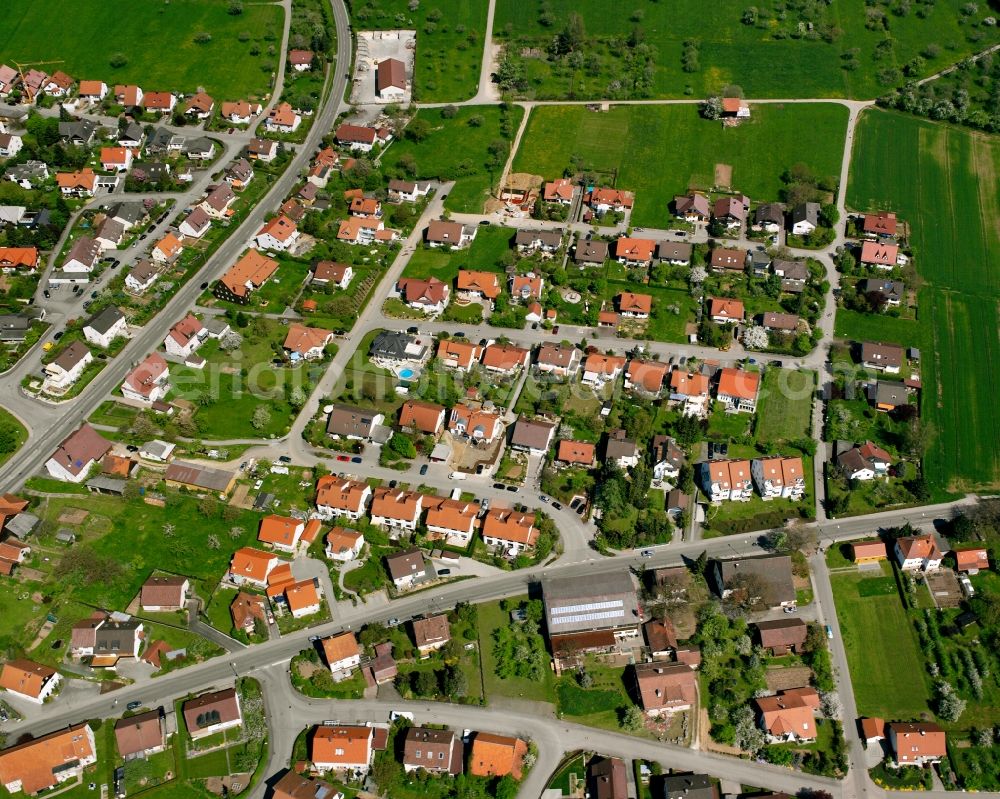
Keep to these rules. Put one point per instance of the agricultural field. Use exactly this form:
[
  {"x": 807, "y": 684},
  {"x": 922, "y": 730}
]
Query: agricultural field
[
  {"x": 869, "y": 609},
  {"x": 770, "y": 49},
  {"x": 449, "y": 42},
  {"x": 660, "y": 151},
  {"x": 88, "y": 37},
  {"x": 785, "y": 409},
  {"x": 943, "y": 181},
  {"x": 468, "y": 145}
]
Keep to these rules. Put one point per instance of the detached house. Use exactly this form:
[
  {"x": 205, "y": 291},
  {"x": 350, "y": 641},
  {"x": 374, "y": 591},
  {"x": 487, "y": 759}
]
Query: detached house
[
  {"x": 730, "y": 211},
  {"x": 77, "y": 184},
  {"x": 916, "y": 743},
  {"x": 598, "y": 370},
  {"x": 738, "y": 389},
  {"x": 343, "y": 749},
  {"x": 723, "y": 310},
  {"x": 77, "y": 454},
  {"x": 692, "y": 208},
  {"x": 879, "y": 225},
  {"x": 211, "y": 713},
  {"x": 282, "y": 119},
  {"x": 864, "y": 462},
  {"x": 918, "y": 553},
  {"x": 251, "y": 566},
  {"x": 29, "y": 680},
  {"x": 480, "y": 425},
  {"x": 341, "y": 652},
  {"x": 431, "y": 633},
  {"x": 805, "y": 218},
  {"x": 159, "y": 102},
  {"x": 665, "y": 687},
  {"x": 442, "y": 232},
  {"x": 424, "y": 417},
  {"x": 634, "y": 252},
  {"x": 245, "y": 276},
  {"x": 105, "y": 327},
  {"x": 789, "y": 716},
  {"x": 458, "y": 354},
  {"x": 434, "y": 751},
  {"x": 558, "y": 360},
  {"x": 886, "y": 358},
  {"x": 407, "y": 190},
  {"x": 558, "y": 191},
  {"x": 196, "y": 224},
  {"x": 576, "y": 453},
  {"x": 406, "y": 568},
  {"x": 148, "y": 382},
  {"x": 67, "y": 368},
  {"x": 972, "y": 560},
  {"x": 879, "y": 255},
  {"x": 429, "y": 295},
  {"x": 218, "y": 201},
  {"x": 48, "y": 761},
  {"x": 362, "y": 139},
  {"x": 634, "y": 306},
  {"x": 164, "y": 593},
  {"x": 92, "y": 91},
  {"x": 505, "y": 359},
  {"x": 728, "y": 260},
  {"x": 199, "y": 106},
  {"x": 306, "y": 343},
  {"x": 240, "y": 112},
  {"x": 326, "y": 273},
  {"x": 646, "y": 377},
  {"x": 690, "y": 391},
  {"x": 343, "y": 545},
  {"x": 602, "y": 199},
  {"x": 168, "y": 249},
  {"x": 281, "y": 532},
  {"x": 355, "y": 424}
]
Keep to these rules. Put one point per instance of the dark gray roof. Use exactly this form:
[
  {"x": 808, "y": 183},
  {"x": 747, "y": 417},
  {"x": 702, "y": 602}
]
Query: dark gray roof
[
  {"x": 106, "y": 319},
  {"x": 774, "y": 570},
  {"x": 548, "y": 238},
  {"x": 14, "y": 327},
  {"x": 885, "y": 392},
  {"x": 532, "y": 434},
  {"x": 116, "y": 637},
  {"x": 198, "y": 145},
  {"x": 892, "y": 289},
  {"x": 806, "y": 212},
  {"x": 133, "y": 132},
  {"x": 674, "y": 250},
  {"x": 78, "y": 130},
  {"x": 790, "y": 270},
  {"x": 128, "y": 212},
  {"x": 392, "y": 345},
  {"x": 28, "y": 170},
  {"x": 770, "y": 213},
  {"x": 600, "y": 602},
  {"x": 688, "y": 786},
  {"x": 591, "y": 252}
]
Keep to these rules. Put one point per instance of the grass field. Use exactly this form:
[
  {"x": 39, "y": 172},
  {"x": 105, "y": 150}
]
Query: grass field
[
  {"x": 12, "y": 433},
  {"x": 660, "y": 151},
  {"x": 944, "y": 182},
  {"x": 458, "y": 148},
  {"x": 785, "y": 409},
  {"x": 156, "y": 39},
  {"x": 483, "y": 254},
  {"x": 491, "y": 616},
  {"x": 768, "y": 59},
  {"x": 880, "y": 645},
  {"x": 876, "y": 327},
  {"x": 449, "y": 42}
]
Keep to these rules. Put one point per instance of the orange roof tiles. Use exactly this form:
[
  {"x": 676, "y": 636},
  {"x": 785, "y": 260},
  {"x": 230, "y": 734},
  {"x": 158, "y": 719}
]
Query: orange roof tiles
[
  {"x": 281, "y": 530},
  {"x": 496, "y": 755},
  {"x": 576, "y": 452},
  {"x": 739, "y": 384}
]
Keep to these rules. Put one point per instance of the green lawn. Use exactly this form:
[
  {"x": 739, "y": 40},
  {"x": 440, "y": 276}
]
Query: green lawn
[
  {"x": 774, "y": 57},
  {"x": 943, "y": 181},
  {"x": 12, "y": 435},
  {"x": 232, "y": 386},
  {"x": 660, "y": 151},
  {"x": 598, "y": 705},
  {"x": 156, "y": 40},
  {"x": 876, "y": 327},
  {"x": 100, "y": 570},
  {"x": 449, "y": 42},
  {"x": 880, "y": 646},
  {"x": 483, "y": 254},
  {"x": 491, "y": 616},
  {"x": 458, "y": 148},
  {"x": 784, "y": 412}
]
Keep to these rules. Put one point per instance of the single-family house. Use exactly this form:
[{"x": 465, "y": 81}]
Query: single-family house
[
  {"x": 879, "y": 254},
  {"x": 576, "y": 453},
  {"x": 728, "y": 260},
  {"x": 306, "y": 343},
  {"x": 505, "y": 359},
  {"x": 879, "y": 225},
  {"x": 341, "y": 651},
  {"x": 83, "y": 255},
  {"x": 247, "y": 275},
  {"x": 692, "y": 208},
  {"x": 603, "y": 199},
  {"x": 886, "y": 358},
  {"x": 429, "y": 295},
  {"x": 431, "y": 633},
  {"x": 283, "y": 119},
  {"x": 689, "y": 390},
  {"x": 769, "y": 217},
  {"x": 737, "y": 389},
  {"x": 344, "y": 749},
  {"x": 805, "y": 218},
  {"x": 676, "y": 253},
  {"x": 212, "y": 712},
  {"x": 408, "y": 190},
  {"x": 168, "y": 249},
  {"x": 509, "y": 531},
  {"x": 558, "y": 360},
  {"x": 444, "y": 233},
  {"x": 251, "y": 566},
  {"x": 918, "y": 553},
  {"x": 406, "y": 568},
  {"x": 360, "y": 138},
  {"x": 200, "y": 106},
  {"x": 29, "y": 680},
  {"x": 634, "y": 306},
  {"x": 730, "y": 211},
  {"x": 77, "y": 454},
  {"x": 352, "y": 423},
  {"x": 789, "y": 715},
  {"x": 281, "y": 532},
  {"x": 142, "y": 276},
  {"x": 590, "y": 252},
  {"x": 195, "y": 224},
  {"x": 868, "y": 551},
  {"x": 496, "y": 756},
  {"x": 45, "y": 762},
  {"x": 864, "y": 462},
  {"x": 665, "y": 687},
  {"x": 331, "y": 273},
  {"x": 148, "y": 382},
  {"x": 431, "y": 750},
  {"x": 971, "y": 560},
  {"x": 781, "y": 636},
  {"x": 424, "y": 417},
  {"x": 481, "y": 425},
  {"x": 538, "y": 240},
  {"x": 67, "y": 367},
  {"x": 916, "y": 743},
  {"x": 646, "y": 377},
  {"x": 343, "y": 545},
  {"x": 534, "y": 437},
  {"x": 724, "y": 310},
  {"x": 453, "y": 519},
  {"x": 599, "y": 370},
  {"x": 634, "y": 252}
]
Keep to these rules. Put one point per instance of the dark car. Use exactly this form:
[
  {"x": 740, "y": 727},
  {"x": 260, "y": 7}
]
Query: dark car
[
  {"x": 132, "y": 448},
  {"x": 204, "y": 285},
  {"x": 557, "y": 505},
  {"x": 46, "y": 294},
  {"x": 458, "y": 334},
  {"x": 392, "y": 484},
  {"x": 58, "y": 335},
  {"x": 723, "y": 450},
  {"x": 484, "y": 222},
  {"x": 133, "y": 705},
  {"x": 423, "y": 469},
  {"x": 93, "y": 295},
  {"x": 115, "y": 263},
  {"x": 499, "y": 486},
  {"x": 555, "y": 330},
  {"x": 355, "y": 459},
  {"x": 443, "y": 572},
  {"x": 512, "y": 488},
  {"x": 285, "y": 459}
]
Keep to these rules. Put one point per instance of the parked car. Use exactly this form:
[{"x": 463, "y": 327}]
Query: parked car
[
  {"x": 512, "y": 488},
  {"x": 133, "y": 705},
  {"x": 443, "y": 572},
  {"x": 285, "y": 459},
  {"x": 647, "y": 553},
  {"x": 423, "y": 469},
  {"x": 355, "y": 459},
  {"x": 499, "y": 486},
  {"x": 556, "y": 505},
  {"x": 344, "y": 458}
]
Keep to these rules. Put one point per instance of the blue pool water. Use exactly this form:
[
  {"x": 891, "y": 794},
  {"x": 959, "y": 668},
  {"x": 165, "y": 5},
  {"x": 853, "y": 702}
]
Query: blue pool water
[{"x": 406, "y": 374}]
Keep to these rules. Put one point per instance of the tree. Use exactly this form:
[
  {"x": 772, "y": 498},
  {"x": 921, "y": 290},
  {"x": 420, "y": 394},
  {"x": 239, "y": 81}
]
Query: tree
[
  {"x": 418, "y": 129},
  {"x": 207, "y": 507},
  {"x": 425, "y": 683},
  {"x": 631, "y": 718},
  {"x": 236, "y": 532},
  {"x": 700, "y": 563},
  {"x": 574, "y": 35},
  {"x": 230, "y": 341},
  {"x": 212, "y": 542},
  {"x": 950, "y": 706},
  {"x": 402, "y": 445},
  {"x": 168, "y": 530},
  {"x": 755, "y": 338},
  {"x": 261, "y": 418},
  {"x": 711, "y": 108},
  {"x": 235, "y": 7},
  {"x": 746, "y": 734},
  {"x": 747, "y": 592},
  {"x": 297, "y": 397},
  {"x": 455, "y": 683},
  {"x": 506, "y": 788}
]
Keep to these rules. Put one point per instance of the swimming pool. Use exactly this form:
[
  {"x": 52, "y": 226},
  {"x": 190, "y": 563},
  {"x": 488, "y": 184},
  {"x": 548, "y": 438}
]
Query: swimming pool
[{"x": 405, "y": 374}]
